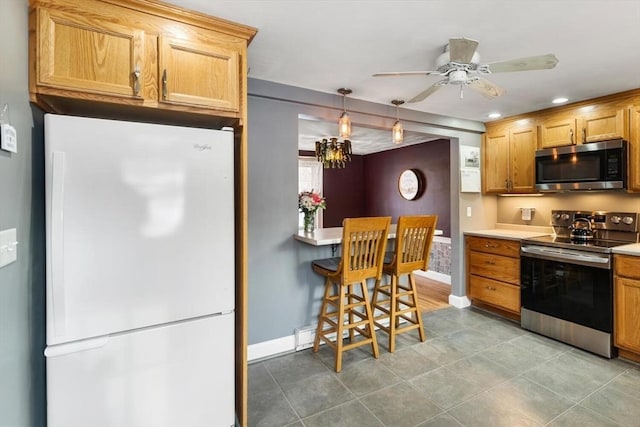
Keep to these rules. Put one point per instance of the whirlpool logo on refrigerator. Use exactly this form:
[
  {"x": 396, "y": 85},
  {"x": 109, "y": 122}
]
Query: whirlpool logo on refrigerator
[{"x": 201, "y": 147}]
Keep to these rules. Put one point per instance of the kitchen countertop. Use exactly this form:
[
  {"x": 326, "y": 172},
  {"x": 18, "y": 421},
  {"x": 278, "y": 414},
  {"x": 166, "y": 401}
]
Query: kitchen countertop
[
  {"x": 631, "y": 249},
  {"x": 333, "y": 235},
  {"x": 505, "y": 233}
]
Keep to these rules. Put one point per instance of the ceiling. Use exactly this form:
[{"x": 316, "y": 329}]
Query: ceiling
[{"x": 325, "y": 45}]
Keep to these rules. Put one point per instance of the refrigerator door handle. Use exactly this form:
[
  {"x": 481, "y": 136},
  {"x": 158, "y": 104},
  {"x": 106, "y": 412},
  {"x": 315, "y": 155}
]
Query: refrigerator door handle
[
  {"x": 76, "y": 346},
  {"x": 57, "y": 243}
]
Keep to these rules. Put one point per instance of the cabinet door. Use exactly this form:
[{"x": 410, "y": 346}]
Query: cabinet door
[
  {"x": 522, "y": 149},
  {"x": 603, "y": 125},
  {"x": 88, "y": 54},
  {"x": 556, "y": 133},
  {"x": 627, "y": 314},
  {"x": 199, "y": 74},
  {"x": 496, "y": 163},
  {"x": 634, "y": 149}
]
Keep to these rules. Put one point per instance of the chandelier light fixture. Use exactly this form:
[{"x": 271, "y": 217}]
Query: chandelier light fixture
[
  {"x": 333, "y": 153},
  {"x": 397, "y": 132},
  {"x": 344, "y": 124}
]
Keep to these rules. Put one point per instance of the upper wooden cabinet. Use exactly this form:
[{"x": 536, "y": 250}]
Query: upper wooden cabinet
[
  {"x": 634, "y": 148},
  {"x": 137, "y": 53},
  {"x": 568, "y": 129},
  {"x": 508, "y": 159}
]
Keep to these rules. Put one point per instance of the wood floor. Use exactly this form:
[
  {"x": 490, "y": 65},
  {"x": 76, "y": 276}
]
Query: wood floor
[{"x": 432, "y": 294}]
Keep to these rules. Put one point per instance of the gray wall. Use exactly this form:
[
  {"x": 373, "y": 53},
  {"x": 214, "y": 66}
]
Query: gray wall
[
  {"x": 21, "y": 206},
  {"x": 284, "y": 293}
]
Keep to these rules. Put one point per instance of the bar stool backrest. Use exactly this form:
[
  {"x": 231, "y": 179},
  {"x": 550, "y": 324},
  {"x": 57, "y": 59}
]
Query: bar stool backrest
[
  {"x": 364, "y": 241},
  {"x": 414, "y": 236}
]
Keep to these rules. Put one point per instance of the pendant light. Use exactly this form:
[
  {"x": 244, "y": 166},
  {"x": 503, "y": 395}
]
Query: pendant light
[
  {"x": 397, "y": 132},
  {"x": 344, "y": 124}
]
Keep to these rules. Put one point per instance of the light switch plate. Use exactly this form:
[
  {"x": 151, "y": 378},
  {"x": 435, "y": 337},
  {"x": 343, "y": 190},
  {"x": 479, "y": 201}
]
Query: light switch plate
[
  {"x": 8, "y": 138},
  {"x": 8, "y": 247}
]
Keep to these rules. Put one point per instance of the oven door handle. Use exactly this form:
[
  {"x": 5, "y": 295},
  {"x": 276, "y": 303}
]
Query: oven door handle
[{"x": 563, "y": 255}]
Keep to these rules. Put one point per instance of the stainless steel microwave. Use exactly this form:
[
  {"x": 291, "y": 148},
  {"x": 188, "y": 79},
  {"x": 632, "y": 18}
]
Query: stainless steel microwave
[{"x": 592, "y": 166}]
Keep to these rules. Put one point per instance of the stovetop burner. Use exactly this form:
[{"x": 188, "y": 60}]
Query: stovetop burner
[
  {"x": 610, "y": 229},
  {"x": 603, "y": 246}
]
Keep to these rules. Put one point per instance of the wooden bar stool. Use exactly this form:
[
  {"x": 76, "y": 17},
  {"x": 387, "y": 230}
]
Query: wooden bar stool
[
  {"x": 346, "y": 305},
  {"x": 395, "y": 301}
]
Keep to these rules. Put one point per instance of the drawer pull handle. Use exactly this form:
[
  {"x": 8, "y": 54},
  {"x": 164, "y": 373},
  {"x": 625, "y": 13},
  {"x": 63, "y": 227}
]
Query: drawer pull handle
[
  {"x": 490, "y": 245},
  {"x": 491, "y": 288},
  {"x": 490, "y": 262}
]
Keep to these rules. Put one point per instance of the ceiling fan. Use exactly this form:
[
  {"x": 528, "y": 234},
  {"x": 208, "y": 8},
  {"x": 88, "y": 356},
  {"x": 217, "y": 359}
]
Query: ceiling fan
[{"x": 460, "y": 65}]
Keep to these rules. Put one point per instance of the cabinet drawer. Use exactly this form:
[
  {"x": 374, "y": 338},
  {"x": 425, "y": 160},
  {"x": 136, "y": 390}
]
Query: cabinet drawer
[
  {"x": 496, "y": 267},
  {"x": 495, "y": 293},
  {"x": 495, "y": 246},
  {"x": 627, "y": 266}
]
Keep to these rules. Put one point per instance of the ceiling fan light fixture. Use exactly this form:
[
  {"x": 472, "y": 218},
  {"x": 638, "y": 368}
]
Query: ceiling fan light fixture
[
  {"x": 344, "y": 123},
  {"x": 397, "y": 131}
]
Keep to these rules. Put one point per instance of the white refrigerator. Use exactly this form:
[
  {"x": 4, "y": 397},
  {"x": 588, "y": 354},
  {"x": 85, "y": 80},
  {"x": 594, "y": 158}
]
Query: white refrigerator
[{"x": 140, "y": 274}]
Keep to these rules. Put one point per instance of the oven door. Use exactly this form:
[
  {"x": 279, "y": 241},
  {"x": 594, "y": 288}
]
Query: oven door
[{"x": 576, "y": 286}]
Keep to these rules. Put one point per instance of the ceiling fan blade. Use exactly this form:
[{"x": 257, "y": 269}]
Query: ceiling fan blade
[
  {"x": 486, "y": 88},
  {"x": 405, "y": 73},
  {"x": 461, "y": 50},
  {"x": 425, "y": 93},
  {"x": 541, "y": 62}
]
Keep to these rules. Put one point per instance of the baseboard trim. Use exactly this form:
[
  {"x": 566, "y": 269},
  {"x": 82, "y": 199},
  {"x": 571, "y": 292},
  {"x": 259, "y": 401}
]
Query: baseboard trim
[
  {"x": 434, "y": 275},
  {"x": 459, "y": 302},
  {"x": 271, "y": 348}
]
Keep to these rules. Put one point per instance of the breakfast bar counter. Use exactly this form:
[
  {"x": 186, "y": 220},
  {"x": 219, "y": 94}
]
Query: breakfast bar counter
[{"x": 333, "y": 235}]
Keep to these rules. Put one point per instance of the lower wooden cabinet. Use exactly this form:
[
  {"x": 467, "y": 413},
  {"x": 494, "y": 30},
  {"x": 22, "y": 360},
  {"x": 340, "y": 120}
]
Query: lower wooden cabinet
[
  {"x": 626, "y": 305},
  {"x": 493, "y": 273}
]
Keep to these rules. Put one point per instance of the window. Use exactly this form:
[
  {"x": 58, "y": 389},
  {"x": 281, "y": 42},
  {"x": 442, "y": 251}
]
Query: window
[{"x": 310, "y": 179}]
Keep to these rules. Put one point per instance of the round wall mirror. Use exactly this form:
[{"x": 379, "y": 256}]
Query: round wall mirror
[{"x": 410, "y": 184}]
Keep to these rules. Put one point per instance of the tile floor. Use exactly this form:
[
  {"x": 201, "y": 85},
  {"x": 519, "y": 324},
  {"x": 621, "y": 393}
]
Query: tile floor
[{"x": 475, "y": 369}]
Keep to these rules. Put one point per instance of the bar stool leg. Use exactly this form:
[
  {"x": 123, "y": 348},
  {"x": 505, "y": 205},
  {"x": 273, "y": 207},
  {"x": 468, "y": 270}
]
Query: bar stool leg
[
  {"x": 414, "y": 298},
  {"x": 350, "y": 291},
  {"x": 340, "y": 328},
  {"x": 323, "y": 314},
  {"x": 370, "y": 325},
  {"x": 393, "y": 313}
]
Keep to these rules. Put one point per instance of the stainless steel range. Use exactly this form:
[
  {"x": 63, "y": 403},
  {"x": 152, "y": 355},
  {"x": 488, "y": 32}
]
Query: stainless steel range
[{"x": 567, "y": 279}]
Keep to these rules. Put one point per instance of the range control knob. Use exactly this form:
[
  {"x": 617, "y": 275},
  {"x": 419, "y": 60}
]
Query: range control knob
[
  {"x": 615, "y": 219},
  {"x": 556, "y": 216},
  {"x": 627, "y": 220},
  {"x": 564, "y": 216}
]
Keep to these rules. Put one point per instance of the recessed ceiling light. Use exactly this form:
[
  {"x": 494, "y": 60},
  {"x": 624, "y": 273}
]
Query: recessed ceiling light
[
  {"x": 560, "y": 100},
  {"x": 494, "y": 115}
]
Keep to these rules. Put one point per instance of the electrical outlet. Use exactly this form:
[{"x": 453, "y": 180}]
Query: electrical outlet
[
  {"x": 8, "y": 138},
  {"x": 8, "y": 247}
]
